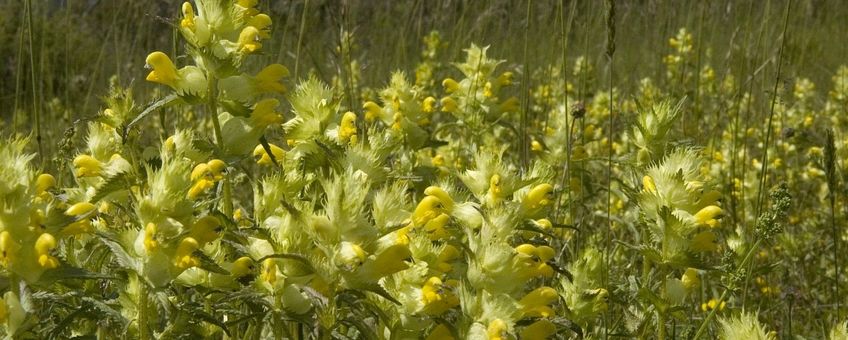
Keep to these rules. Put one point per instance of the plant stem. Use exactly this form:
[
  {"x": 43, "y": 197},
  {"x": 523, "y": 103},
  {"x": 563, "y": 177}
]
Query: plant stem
[
  {"x": 142, "y": 311},
  {"x": 724, "y": 294},
  {"x": 227, "y": 207}
]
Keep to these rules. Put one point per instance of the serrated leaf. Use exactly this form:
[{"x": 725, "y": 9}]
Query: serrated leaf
[
  {"x": 120, "y": 254},
  {"x": 202, "y": 315},
  {"x": 68, "y": 272},
  {"x": 119, "y": 181},
  {"x": 159, "y": 104},
  {"x": 208, "y": 264}
]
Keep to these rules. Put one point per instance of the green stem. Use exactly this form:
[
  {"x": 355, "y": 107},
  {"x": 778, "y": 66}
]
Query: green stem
[
  {"x": 724, "y": 294},
  {"x": 227, "y": 207},
  {"x": 142, "y": 311}
]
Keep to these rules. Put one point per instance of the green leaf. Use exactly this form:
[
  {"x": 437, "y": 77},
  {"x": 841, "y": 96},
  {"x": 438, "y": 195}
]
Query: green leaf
[
  {"x": 119, "y": 181},
  {"x": 159, "y": 104},
  {"x": 68, "y": 272},
  {"x": 120, "y": 254},
  {"x": 208, "y": 264}
]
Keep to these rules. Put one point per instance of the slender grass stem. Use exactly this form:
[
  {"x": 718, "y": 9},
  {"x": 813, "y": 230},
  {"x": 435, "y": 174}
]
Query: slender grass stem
[{"x": 212, "y": 108}]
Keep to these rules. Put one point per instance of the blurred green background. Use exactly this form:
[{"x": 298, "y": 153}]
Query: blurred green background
[{"x": 61, "y": 61}]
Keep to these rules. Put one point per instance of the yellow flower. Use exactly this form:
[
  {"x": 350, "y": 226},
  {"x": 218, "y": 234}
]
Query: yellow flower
[
  {"x": 188, "y": 16},
  {"x": 248, "y": 40},
  {"x": 648, "y": 184},
  {"x": 427, "y": 209},
  {"x": 164, "y": 71},
  {"x": 497, "y": 330},
  {"x": 199, "y": 187},
  {"x": 350, "y": 255},
  {"x": 428, "y": 106},
  {"x": 706, "y": 214},
  {"x": 263, "y": 114},
  {"x": 79, "y": 209},
  {"x": 269, "y": 271},
  {"x": 435, "y": 228},
  {"x": 450, "y": 85},
  {"x": 533, "y": 260},
  {"x": 449, "y": 105},
  {"x": 438, "y": 297},
  {"x": 183, "y": 257},
  {"x": 8, "y": 248},
  {"x": 268, "y": 80},
  {"x": 539, "y": 330},
  {"x": 206, "y": 229},
  {"x": 347, "y": 128},
  {"x": 150, "y": 243},
  {"x": 264, "y": 159},
  {"x": 505, "y": 79},
  {"x": 87, "y": 166},
  {"x": 712, "y": 304},
  {"x": 487, "y": 90},
  {"x": 539, "y": 197},
  {"x": 448, "y": 255},
  {"x": 690, "y": 279},
  {"x": 536, "y": 146},
  {"x": 535, "y": 303},
  {"x": 43, "y": 245},
  {"x": 43, "y": 183},
  {"x": 444, "y": 197},
  {"x": 261, "y": 22},
  {"x": 372, "y": 111},
  {"x": 242, "y": 266}
]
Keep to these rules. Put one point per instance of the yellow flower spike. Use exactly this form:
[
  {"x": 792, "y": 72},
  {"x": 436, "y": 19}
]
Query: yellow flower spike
[
  {"x": 263, "y": 114},
  {"x": 87, "y": 166},
  {"x": 427, "y": 209},
  {"x": 539, "y": 330},
  {"x": 707, "y": 213},
  {"x": 43, "y": 245},
  {"x": 438, "y": 296},
  {"x": 690, "y": 279},
  {"x": 43, "y": 183},
  {"x": 535, "y": 303},
  {"x": 242, "y": 266},
  {"x": 268, "y": 80},
  {"x": 709, "y": 197},
  {"x": 428, "y": 105},
  {"x": 80, "y": 209},
  {"x": 263, "y": 158},
  {"x": 436, "y": 227},
  {"x": 183, "y": 257},
  {"x": 248, "y": 40},
  {"x": 505, "y": 79},
  {"x": 704, "y": 241},
  {"x": 536, "y": 146},
  {"x": 206, "y": 229},
  {"x": 216, "y": 169},
  {"x": 449, "y": 105},
  {"x": 510, "y": 105},
  {"x": 269, "y": 271},
  {"x": 447, "y": 201},
  {"x": 188, "y": 16},
  {"x": 150, "y": 243},
  {"x": 372, "y": 111},
  {"x": 648, "y": 184},
  {"x": 497, "y": 330},
  {"x": 261, "y": 22},
  {"x": 347, "y": 127},
  {"x": 539, "y": 197},
  {"x": 8, "y": 248},
  {"x": 164, "y": 71},
  {"x": 450, "y": 85}
]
